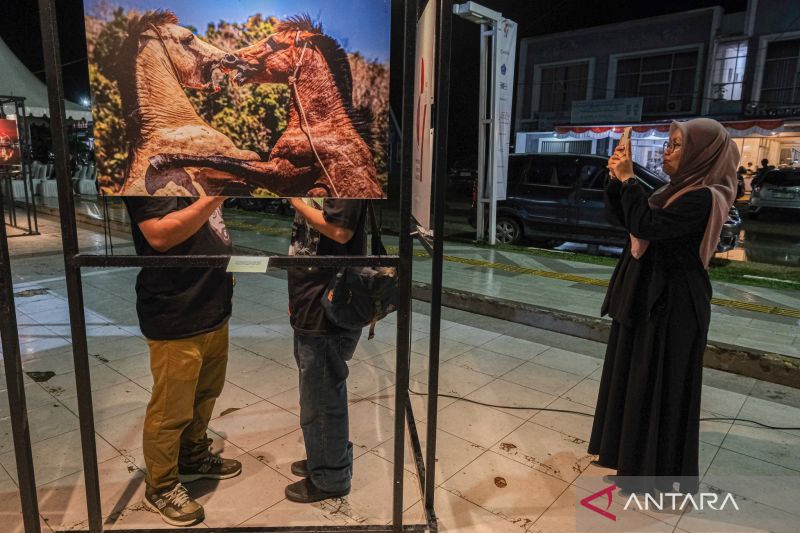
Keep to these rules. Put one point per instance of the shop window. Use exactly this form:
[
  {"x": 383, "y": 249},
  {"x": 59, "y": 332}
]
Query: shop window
[
  {"x": 729, "y": 65},
  {"x": 560, "y": 85},
  {"x": 666, "y": 82},
  {"x": 781, "y": 80},
  {"x": 569, "y": 147}
]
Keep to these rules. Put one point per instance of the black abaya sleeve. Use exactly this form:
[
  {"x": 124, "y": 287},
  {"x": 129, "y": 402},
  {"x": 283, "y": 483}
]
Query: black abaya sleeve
[
  {"x": 688, "y": 215},
  {"x": 613, "y": 201}
]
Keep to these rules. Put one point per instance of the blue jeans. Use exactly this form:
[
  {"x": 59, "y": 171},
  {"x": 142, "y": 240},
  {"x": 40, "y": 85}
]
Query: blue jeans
[{"x": 322, "y": 361}]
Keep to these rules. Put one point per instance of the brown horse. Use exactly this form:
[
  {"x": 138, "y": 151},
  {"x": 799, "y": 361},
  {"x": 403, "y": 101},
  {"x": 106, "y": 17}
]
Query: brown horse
[
  {"x": 156, "y": 61},
  {"x": 321, "y": 152}
]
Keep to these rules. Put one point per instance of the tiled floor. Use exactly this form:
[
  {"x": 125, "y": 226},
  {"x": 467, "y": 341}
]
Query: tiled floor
[
  {"x": 513, "y": 468},
  {"x": 497, "y": 470}
]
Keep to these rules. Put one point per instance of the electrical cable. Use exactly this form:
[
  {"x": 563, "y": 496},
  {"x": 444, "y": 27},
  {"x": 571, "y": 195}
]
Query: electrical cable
[{"x": 706, "y": 419}]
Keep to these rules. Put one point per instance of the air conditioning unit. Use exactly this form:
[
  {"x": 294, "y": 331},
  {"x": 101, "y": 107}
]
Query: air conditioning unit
[{"x": 674, "y": 105}]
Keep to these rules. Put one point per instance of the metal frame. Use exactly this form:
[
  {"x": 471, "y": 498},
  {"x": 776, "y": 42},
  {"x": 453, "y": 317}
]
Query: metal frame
[
  {"x": 74, "y": 261},
  {"x": 24, "y": 134}
]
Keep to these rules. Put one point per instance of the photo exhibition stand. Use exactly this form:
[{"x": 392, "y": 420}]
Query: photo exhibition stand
[
  {"x": 74, "y": 261},
  {"x": 11, "y": 194}
]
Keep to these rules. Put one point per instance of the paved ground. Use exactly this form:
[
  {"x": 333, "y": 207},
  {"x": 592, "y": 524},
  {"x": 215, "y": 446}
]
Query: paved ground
[{"x": 498, "y": 469}]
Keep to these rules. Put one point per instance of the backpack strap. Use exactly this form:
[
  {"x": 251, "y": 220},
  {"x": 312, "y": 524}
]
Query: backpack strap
[{"x": 375, "y": 231}]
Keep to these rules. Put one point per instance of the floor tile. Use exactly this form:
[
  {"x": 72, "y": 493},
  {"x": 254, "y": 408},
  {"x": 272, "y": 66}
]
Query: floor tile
[
  {"x": 504, "y": 393},
  {"x": 543, "y": 378},
  {"x": 231, "y": 502},
  {"x": 486, "y": 362},
  {"x": 477, "y": 424},
  {"x": 255, "y": 425},
  {"x": 571, "y": 362},
  {"x": 506, "y": 488},
  {"x": 546, "y": 450}
]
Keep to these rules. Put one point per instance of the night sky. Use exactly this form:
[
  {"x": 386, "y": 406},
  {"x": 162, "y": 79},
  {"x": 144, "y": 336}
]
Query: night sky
[{"x": 19, "y": 28}]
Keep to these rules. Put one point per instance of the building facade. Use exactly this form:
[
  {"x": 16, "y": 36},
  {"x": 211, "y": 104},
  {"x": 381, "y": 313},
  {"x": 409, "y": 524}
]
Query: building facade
[{"x": 577, "y": 90}]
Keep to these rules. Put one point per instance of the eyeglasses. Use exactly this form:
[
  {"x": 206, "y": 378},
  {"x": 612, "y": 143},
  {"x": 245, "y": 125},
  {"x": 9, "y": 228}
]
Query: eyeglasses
[{"x": 670, "y": 146}]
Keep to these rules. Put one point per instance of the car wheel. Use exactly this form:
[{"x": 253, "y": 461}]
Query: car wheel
[{"x": 508, "y": 231}]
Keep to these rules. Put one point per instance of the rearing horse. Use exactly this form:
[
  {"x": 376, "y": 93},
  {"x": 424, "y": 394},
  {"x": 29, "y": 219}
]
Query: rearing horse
[
  {"x": 321, "y": 152},
  {"x": 156, "y": 61}
]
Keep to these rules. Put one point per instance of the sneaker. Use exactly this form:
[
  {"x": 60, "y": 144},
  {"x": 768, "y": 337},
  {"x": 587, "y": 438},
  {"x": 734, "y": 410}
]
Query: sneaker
[
  {"x": 300, "y": 468},
  {"x": 306, "y": 492},
  {"x": 174, "y": 505},
  {"x": 211, "y": 467}
]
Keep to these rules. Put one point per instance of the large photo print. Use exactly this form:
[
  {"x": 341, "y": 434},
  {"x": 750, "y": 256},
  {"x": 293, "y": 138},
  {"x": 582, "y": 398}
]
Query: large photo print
[{"x": 253, "y": 98}]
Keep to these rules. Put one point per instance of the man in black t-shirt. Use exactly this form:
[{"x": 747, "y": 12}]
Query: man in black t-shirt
[
  {"x": 329, "y": 227},
  {"x": 183, "y": 313}
]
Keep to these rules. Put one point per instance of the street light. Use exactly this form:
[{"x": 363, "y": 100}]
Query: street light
[{"x": 476, "y": 13}]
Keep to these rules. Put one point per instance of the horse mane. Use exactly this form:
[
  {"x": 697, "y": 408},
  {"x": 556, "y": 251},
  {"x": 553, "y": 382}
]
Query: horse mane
[
  {"x": 339, "y": 65},
  {"x": 125, "y": 67}
]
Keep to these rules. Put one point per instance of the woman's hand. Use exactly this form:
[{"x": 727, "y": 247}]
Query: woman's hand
[{"x": 620, "y": 165}]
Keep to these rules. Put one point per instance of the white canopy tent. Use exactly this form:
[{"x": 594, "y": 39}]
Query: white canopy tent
[{"x": 17, "y": 80}]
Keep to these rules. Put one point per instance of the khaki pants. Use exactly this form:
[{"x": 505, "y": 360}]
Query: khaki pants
[{"x": 188, "y": 376}]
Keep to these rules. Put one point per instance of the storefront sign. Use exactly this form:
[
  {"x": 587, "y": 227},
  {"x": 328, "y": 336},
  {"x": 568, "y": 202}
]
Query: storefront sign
[
  {"x": 758, "y": 109},
  {"x": 613, "y": 110}
]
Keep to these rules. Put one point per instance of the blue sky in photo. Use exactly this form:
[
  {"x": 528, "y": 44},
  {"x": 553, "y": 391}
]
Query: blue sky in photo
[{"x": 359, "y": 25}]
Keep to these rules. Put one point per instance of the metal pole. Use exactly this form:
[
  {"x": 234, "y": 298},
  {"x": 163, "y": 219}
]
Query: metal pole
[
  {"x": 16, "y": 389},
  {"x": 481, "y": 189},
  {"x": 443, "y": 41},
  {"x": 406, "y": 253},
  {"x": 492, "y": 138},
  {"x": 69, "y": 235}
]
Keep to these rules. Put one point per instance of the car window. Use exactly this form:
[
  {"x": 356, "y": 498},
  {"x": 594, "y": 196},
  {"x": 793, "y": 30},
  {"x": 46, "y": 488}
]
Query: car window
[
  {"x": 567, "y": 174},
  {"x": 783, "y": 178},
  {"x": 592, "y": 176},
  {"x": 542, "y": 173},
  {"x": 517, "y": 168}
]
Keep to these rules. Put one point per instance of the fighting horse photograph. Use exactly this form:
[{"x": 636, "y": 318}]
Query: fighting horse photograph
[{"x": 264, "y": 107}]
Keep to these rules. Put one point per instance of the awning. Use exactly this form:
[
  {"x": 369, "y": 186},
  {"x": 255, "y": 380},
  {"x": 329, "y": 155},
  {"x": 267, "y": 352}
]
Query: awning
[{"x": 661, "y": 130}]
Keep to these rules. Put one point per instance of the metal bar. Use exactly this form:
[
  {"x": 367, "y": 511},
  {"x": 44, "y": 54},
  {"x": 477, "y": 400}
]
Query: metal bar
[
  {"x": 69, "y": 236},
  {"x": 443, "y": 41},
  {"x": 16, "y": 389},
  {"x": 493, "y": 138},
  {"x": 481, "y": 186},
  {"x": 405, "y": 268},
  {"x": 424, "y": 242},
  {"x": 221, "y": 261},
  {"x": 272, "y": 529}
]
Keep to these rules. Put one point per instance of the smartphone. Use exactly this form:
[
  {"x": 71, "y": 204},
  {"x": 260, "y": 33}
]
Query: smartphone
[{"x": 625, "y": 141}]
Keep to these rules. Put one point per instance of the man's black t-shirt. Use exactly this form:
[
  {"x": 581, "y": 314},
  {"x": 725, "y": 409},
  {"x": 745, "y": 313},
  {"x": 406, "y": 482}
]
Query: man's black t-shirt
[
  {"x": 176, "y": 303},
  {"x": 307, "y": 285}
]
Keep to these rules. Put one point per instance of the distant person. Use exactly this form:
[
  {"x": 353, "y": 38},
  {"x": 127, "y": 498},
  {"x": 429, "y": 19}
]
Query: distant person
[
  {"x": 648, "y": 408},
  {"x": 761, "y": 173},
  {"x": 183, "y": 313},
  {"x": 740, "y": 174}
]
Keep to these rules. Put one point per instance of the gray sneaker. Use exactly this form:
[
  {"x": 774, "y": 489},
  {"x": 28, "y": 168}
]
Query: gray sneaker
[
  {"x": 174, "y": 505},
  {"x": 210, "y": 467}
]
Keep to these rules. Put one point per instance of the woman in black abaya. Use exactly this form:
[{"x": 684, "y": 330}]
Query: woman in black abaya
[{"x": 646, "y": 422}]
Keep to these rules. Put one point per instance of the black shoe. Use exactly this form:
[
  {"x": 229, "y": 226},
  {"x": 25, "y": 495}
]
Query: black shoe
[
  {"x": 174, "y": 505},
  {"x": 300, "y": 468},
  {"x": 211, "y": 467},
  {"x": 306, "y": 492}
]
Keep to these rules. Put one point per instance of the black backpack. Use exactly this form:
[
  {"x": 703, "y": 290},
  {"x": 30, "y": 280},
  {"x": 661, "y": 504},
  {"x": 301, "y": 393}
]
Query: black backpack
[{"x": 360, "y": 296}]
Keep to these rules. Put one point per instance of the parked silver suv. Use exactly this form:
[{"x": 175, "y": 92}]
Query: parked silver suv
[{"x": 780, "y": 189}]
